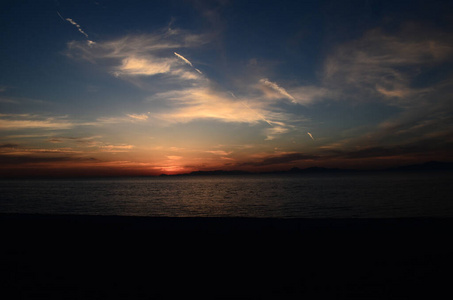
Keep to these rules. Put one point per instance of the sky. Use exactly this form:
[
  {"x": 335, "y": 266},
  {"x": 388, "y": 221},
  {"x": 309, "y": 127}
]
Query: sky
[{"x": 149, "y": 87}]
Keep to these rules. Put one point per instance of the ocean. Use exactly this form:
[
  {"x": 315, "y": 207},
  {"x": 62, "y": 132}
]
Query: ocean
[{"x": 344, "y": 195}]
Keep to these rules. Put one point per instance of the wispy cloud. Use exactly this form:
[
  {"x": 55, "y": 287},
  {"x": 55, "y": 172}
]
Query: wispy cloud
[
  {"x": 153, "y": 62},
  {"x": 311, "y": 136},
  {"x": 78, "y": 142},
  {"x": 275, "y": 131},
  {"x": 252, "y": 110},
  {"x": 392, "y": 69},
  {"x": 135, "y": 57},
  {"x": 116, "y": 148},
  {"x": 8, "y": 146},
  {"x": 385, "y": 66},
  {"x": 310, "y": 94},
  {"x": 219, "y": 152},
  {"x": 29, "y": 121},
  {"x": 203, "y": 103},
  {"x": 274, "y": 90},
  {"x": 141, "y": 117},
  {"x": 16, "y": 160},
  {"x": 258, "y": 114}
]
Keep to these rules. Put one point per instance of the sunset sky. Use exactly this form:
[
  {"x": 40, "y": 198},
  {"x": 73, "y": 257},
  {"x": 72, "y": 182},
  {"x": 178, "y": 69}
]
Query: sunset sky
[{"x": 150, "y": 87}]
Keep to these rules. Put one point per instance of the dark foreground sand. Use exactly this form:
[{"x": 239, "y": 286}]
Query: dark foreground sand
[{"x": 93, "y": 257}]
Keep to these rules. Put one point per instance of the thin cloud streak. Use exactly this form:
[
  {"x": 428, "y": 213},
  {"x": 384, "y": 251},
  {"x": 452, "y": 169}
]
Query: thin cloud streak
[
  {"x": 90, "y": 42},
  {"x": 275, "y": 87},
  {"x": 26, "y": 121},
  {"x": 78, "y": 26},
  {"x": 60, "y": 16},
  {"x": 142, "y": 117},
  {"x": 254, "y": 111},
  {"x": 383, "y": 66},
  {"x": 258, "y": 114},
  {"x": 183, "y": 59}
]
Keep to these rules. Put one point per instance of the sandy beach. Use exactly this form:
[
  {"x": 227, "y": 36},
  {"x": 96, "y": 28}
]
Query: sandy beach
[{"x": 110, "y": 257}]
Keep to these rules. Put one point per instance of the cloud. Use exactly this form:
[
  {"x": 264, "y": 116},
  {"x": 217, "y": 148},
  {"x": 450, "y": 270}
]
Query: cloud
[
  {"x": 28, "y": 121},
  {"x": 116, "y": 148},
  {"x": 89, "y": 42},
  {"x": 90, "y": 141},
  {"x": 142, "y": 117},
  {"x": 219, "y": 152},
  {"x": 183, "y": 59},
  {"x": 142, "y": 66},
  {"x": 187, "y": 62},
  {"x": 207, "y": 103},
  {"x": 404, "y": 70},
  {"x": 17, "y": 160},
  {"x": 26, "y": 151},
  {"x": 203, "y": 103},
  {"x": 439, "y": 148},
  {"x": 272, "y": 133},
  {"x": 255, "y": 112},
  {"x": 384, "y": 66},
  {"x": 174, "y": 157},
  {"x": 15, "y": 155},
  {"x": 133, "y": 56},
  {"x": 273, "y": 90},
  {"x": 78, "y": 26},
  {"x": 8, "y": 146},
  {"x": 306, "y": 95},
  {"x": 311, "y": 136},
  {"x": 281, "y": 159},
  {"x": 152, "y": 62}
]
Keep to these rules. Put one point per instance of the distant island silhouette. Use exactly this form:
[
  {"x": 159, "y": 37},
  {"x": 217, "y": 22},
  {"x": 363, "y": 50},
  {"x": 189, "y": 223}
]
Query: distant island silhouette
[{"x": 428, "y": 166}]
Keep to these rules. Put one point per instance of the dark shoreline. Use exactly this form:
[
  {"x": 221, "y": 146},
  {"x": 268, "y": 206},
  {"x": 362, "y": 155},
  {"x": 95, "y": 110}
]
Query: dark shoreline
[{"x": 113, "y": 257}]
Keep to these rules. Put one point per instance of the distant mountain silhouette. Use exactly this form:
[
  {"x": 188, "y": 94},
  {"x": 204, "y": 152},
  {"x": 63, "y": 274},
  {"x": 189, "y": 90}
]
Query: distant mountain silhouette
[{"x": 428, "y": 166}]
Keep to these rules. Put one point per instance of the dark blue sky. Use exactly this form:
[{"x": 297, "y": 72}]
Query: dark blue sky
[{"x": 145, "y": 87}]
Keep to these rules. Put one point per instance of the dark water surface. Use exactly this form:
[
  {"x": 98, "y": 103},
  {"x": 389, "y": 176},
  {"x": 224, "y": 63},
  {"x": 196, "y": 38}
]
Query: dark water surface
[{"x": 364, "y": 195}]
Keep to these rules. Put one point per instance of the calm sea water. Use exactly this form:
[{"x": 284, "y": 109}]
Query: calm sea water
[{"x": 310, "y": 196}]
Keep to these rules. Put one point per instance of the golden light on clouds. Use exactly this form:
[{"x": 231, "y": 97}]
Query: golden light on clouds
[{"x": 199, "y": 89}]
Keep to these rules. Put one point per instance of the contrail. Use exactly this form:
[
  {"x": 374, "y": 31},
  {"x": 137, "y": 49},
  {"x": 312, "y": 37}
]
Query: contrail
[
  {"x": 60, "y": 16},
  {"x": 90, "y": 42},
  {"x": 77, "y": 25},
  {"x": 311, "y": 136},
  {"x": 187, "y": 62},
  {"x": 258, "y": 114},
  {"x": 184, "y": 59}
]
